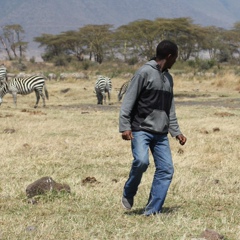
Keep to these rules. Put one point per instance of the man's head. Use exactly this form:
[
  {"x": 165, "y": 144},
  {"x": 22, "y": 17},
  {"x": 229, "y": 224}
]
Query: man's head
[{"x": 166, "y": 53}]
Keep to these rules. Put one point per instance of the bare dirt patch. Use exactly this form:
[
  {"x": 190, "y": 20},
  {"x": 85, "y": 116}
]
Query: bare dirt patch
[
  {"x": 86, "y": 108},
  {"x": 227, "y": 103},
  {"x": 222, "y": 102}
]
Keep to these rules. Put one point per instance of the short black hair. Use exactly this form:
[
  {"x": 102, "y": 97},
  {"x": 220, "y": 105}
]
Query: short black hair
[{"x": 166, "y": 47}]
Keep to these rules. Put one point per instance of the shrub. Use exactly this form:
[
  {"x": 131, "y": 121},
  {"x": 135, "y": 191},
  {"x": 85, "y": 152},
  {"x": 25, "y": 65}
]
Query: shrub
[
  {"x": 60, "y": 61},
  {"x": 191, "y": 63},
  {"x": 204, "y": 65},
  {"x": 237, "y": 72},
  {"x": 132, "y": 60},
  {"x": 32, "y": 59},
  {"x": 86, "y": 64}
]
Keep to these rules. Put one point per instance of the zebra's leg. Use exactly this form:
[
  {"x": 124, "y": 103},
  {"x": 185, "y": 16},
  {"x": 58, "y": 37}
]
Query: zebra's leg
[
  {"x": 119, "y": 96},
  {"x": 38, "y": 98},
  {"x": 104, "y": 98},
  {"x": 14, "y": 94},
  {"x": 43, "y": 98},
  {"x": 109, "y": 98},
  {"x": 99, "y": 98},
  {"x": 46, "y": 91}
]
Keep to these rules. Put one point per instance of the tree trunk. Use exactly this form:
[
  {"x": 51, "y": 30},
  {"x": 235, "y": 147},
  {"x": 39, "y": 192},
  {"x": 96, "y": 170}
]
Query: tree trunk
[{"x": 6, "y": 49}]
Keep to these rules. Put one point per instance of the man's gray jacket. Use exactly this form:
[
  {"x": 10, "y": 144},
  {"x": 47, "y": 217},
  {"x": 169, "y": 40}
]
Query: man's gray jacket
[{"x": 148, "y": 104}]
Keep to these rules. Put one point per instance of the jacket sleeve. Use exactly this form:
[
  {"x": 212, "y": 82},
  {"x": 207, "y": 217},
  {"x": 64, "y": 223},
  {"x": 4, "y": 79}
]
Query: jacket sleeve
[
  {"x": 131, "y": 95},
  {"x": 174, "y": 129}
]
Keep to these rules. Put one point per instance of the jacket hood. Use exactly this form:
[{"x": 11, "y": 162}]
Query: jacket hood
[{"x": 154, "y": 65}]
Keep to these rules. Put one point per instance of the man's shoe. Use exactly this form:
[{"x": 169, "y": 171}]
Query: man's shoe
[
  {"x": 147, "y": 214},
  {"x": 127, "y": 203}
]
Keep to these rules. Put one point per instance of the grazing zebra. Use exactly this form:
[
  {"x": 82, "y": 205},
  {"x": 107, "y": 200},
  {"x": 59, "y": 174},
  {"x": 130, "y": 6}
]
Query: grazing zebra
[
  {"x": 103, "y": 85},
  {"x": 25, "y": 86},
  {"x": 3, "y": 74},
  {"x": 123, "y": 90}
]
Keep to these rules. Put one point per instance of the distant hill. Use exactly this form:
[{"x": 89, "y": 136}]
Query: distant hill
[{"x": 55, "y": 16}]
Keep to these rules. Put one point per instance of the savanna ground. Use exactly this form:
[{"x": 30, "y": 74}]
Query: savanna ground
[{"x": 74, "y": 140}]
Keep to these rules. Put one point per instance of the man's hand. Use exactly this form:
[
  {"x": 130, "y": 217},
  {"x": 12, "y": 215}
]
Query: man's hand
[
  {"x": 182, "y": 139},
  {"x": 127, "y": 135}
]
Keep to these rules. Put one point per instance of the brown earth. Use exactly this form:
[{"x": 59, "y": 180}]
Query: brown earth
[{"x": 233, "y": 103}]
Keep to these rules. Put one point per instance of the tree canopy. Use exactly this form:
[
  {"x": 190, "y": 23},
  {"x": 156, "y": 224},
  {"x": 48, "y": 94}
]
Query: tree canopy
[{"x": 136, "y": 40}]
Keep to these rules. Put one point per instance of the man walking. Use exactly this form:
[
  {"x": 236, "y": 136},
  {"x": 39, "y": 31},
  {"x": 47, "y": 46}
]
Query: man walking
[{"x": 147, "y": 115}]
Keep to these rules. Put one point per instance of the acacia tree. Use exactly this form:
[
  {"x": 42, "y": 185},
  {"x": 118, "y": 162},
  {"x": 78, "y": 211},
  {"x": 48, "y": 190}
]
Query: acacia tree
[
  {"x": 92, "y": 39},
  {"x": 221, "y": 44},
  {"x": 141, "y": 37},
  {"x": 229, "y": 45},
  {"x": 183, "y": 32},
  {"x": 233, "y": 39},
  {"x": 212, "y": 41},
  {"x": 54, "y": 46},
  {"x": 73, "y": 44},
  {"x": 64, "y": 44},
  {"x": 188, "y": 36},
  {"x": 96, "y": 39},
  {"x": 12, "y": 41},
  {"x": 5, "y": 47},
  {"x": 138, "y": 38}
]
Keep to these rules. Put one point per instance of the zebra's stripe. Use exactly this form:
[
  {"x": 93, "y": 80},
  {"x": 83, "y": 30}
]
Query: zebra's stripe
[
  {"x": 123, "y": 90},
  {"x": 25, "y": 86},
  {"x": 3, "y": 73},
  {"x": 103, "y": 85}
]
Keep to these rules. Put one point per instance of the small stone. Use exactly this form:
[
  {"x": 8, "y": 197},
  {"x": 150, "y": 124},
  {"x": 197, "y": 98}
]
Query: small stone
[
  {"x": 209, "y": 234},
  {"x": 44, "y": 185}
]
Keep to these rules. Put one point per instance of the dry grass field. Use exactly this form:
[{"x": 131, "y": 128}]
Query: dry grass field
[{"x": 76, "y": 142}]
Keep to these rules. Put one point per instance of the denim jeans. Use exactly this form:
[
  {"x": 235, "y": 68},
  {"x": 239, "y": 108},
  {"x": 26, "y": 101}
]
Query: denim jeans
[{"x": 159, "y": 146}]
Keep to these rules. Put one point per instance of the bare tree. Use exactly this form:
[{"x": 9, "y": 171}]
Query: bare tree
[{"x": 12, "y": 41}]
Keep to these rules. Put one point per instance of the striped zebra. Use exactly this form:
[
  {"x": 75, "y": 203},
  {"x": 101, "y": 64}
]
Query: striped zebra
[
  {"x": 123, "y": 90},
  {"x": 3, "y": 74},
  {"x": 25, "y": 86},
  {"x": 103, "y": 85}
]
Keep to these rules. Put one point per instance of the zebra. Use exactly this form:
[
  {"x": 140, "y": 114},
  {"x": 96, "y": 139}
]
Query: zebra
[
  {"x": 123, "y": 90},
  {"x": 103, "y": 85},
  {"x": 25, "y": 86},
  {"x": 3, "y": 74}
]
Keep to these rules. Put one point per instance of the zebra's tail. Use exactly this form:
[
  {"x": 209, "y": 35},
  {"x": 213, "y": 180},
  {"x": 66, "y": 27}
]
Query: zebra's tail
[{"x": 46, "y": 91}]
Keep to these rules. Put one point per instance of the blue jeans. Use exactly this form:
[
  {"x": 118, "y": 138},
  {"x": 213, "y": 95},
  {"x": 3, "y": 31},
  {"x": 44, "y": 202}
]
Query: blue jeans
[{"x": 159, "y": 146}]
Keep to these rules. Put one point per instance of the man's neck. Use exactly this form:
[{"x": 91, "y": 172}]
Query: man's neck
[{"x": 161, "y": 64}]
